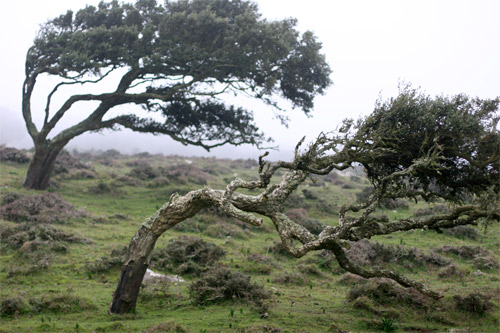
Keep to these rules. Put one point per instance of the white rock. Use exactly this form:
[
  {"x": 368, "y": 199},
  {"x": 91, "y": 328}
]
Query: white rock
[{"x": 151, "y": 276}]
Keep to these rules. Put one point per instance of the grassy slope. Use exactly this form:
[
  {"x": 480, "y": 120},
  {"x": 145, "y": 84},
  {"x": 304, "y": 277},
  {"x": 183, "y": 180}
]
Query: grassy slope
[{"x": 317, "y": 306}]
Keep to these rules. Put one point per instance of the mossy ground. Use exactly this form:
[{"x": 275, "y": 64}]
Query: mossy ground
[{"x": 318, "y": 306}]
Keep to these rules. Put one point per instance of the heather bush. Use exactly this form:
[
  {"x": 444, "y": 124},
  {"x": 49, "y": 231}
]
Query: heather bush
[
  {"x": 222, "y": 284},
  {"x": 224, "y": 230},
  {"x": 187, "y": 255},
  {"x": 451, "y": 271},
  {"x": 384, "y": 292},
  {"x": 170, "y": 327},
  {"x": 462, "y": 231},
  {"x": 13, "y": 155},
  {"x": 9, "y": 197},
  {"x": 294, "y": 278},
  {"x": 475, "y": 303},
  {"x": 65, "y": 162},
  {"x": 13, "y": 305},
  {"x": 31, "y": 238},
  {"x": 60, "y": 303},
  {"x": 365, "y": 252},
  {"x": 42, "y": 208}
]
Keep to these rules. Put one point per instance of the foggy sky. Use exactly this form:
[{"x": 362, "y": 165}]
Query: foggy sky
[{"x": 445, "y": 47}]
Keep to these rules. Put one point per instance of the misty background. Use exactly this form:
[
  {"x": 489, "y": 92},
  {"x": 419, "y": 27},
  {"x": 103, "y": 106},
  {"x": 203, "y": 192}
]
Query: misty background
[{"x": 443, "y": 46}]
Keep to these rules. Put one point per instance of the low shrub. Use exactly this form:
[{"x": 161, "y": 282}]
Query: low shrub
[
  {"x": 262, "y": 329},
  {"x": 13, "y": 305},
  {"x": 143, "y": 172},
  {"x": 462, "y": 231},
  {"x": 326, "y": 207},
  {"x": 31, "y": 238},
  {"x": 65, "y": 161},
  {"x": 482, "y": 258},
  {"x": 309, "y": 269},
  {"x": 364, "y": 252},
  {"x": 475, "y": 303},
  {"x": 293, "y": 278},
  {"x": 451, "y": 271},
  {"x": 309, "y": 195},
  {"x": 299, "y": 216},
  {"x": 257, "y": 268},
  {"x": 429, "y": 211},
  {"x": 385, "y": 292},
  {"x": 42, "y": 208},
  {"x": 187, "y": 255},
  {"x": 115, "y": 259},
  {"x": 326, "y": 261},
  {"x": 278, "y": 249},
  {"x": 60, "y": 303},
  {"x": 13, "y": 155},
  {"x": 170, "y": 327},
  {"x": 222, "y": 284},
  {"x": 9, "y": 197},
  {"x": 224, "y": 230},
  {"x": 349, "y": 279}
]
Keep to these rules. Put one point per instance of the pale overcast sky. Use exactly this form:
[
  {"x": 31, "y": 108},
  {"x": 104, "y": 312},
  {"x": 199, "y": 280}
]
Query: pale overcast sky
[{"x": 445, "y": 47}]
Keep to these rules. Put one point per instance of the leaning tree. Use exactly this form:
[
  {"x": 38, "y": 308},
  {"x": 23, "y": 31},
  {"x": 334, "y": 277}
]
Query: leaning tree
[
  {"x": 412, "y": 146},
  {"x": 175, "y": 60}
]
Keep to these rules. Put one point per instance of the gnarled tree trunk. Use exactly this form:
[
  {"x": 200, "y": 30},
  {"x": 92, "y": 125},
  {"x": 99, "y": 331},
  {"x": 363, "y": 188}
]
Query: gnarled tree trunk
[
  {"x": 142, "y": 244},
  {"x": 139, "y": 253},
  {"x": 41, "y": 167}
]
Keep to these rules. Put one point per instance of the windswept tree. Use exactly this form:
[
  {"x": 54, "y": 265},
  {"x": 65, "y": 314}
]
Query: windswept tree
[
  {"x": 412, "y": 146},
  {"x": 174, "y": 60}
]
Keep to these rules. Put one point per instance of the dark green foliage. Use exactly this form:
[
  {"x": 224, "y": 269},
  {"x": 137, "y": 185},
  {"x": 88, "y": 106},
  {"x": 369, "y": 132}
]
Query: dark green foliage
[
  {"x": 178, "y": 57},
  {"x": 43, "y": 208},
  {"x": 221, "y": 284},
  {"x": 454, "y": 138},
  {"x": 475, "y": 303},
  {"x": 187, "y": 255}
]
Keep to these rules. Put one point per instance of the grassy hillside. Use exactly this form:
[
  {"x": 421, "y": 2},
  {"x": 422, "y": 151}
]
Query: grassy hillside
[{"x": 61, "y": 252}]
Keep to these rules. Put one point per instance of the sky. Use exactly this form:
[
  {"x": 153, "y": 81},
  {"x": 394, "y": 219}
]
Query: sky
[{"x": 446, "y": 47}]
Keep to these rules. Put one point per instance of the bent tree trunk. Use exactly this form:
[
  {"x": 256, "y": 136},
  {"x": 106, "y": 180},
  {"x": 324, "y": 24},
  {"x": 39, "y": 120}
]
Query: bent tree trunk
[
  {"x": 139, "y": 253},
  {"x": 142, "y": 244},
  {"x": 40, "y": 168}
]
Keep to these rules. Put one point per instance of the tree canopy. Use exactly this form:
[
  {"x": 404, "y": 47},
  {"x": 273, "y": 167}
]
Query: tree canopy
[
  {"x": 175, "y": 60},
  {"x": 413, "y": 146}
]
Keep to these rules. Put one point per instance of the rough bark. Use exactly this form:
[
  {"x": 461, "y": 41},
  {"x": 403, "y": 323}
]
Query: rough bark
[{"x": 40, "y": 168}]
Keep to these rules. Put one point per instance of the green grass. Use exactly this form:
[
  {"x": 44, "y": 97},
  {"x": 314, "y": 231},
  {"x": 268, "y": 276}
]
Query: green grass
[{"x": 316, "y": 307}]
